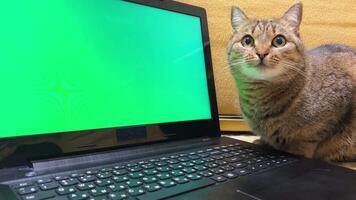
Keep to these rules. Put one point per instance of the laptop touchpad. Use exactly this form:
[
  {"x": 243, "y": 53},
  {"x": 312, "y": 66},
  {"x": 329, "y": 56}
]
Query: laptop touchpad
[{"x": 311, "y": 185}]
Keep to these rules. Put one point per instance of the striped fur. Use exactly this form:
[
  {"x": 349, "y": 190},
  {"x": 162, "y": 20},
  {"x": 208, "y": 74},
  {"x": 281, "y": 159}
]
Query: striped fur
[{"x": 296, "y": 100}]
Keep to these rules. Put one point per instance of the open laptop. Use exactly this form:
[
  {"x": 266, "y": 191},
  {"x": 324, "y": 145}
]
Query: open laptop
[{"x": 110, "y": 99}]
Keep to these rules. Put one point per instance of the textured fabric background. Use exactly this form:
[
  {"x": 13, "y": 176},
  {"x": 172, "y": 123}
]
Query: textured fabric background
[{"x": 323, "y": 22}]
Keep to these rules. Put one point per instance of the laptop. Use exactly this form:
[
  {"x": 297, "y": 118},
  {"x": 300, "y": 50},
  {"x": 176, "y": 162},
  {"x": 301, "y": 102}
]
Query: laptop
[{"x": 116, "y": 100}]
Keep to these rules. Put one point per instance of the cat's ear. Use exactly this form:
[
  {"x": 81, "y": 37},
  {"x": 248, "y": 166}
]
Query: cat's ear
[
  {"x": 237, "y": 17},
  {"x": 293, "y": 16}
]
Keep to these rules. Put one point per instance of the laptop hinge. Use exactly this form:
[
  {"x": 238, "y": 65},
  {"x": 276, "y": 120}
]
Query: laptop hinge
[{"x": 117, "y": 156}]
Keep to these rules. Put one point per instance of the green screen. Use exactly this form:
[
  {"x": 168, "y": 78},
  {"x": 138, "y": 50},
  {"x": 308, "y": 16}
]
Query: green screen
[{"x": 69, "y": 65}]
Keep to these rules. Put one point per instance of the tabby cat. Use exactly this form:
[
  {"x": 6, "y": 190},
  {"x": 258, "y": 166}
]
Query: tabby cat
[{"x": 302, "y": 102}]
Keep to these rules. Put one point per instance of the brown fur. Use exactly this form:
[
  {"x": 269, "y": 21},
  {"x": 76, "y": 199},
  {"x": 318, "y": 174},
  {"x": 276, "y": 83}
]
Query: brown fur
[{"x": 297, "y": 101}]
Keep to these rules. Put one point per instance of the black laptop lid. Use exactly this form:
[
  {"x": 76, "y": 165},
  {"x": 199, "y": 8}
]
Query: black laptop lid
[{"x": 83, "y": 76}]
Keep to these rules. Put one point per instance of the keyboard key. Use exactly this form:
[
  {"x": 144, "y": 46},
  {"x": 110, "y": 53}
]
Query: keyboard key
[
  {"x": 217, "y": 170},
  {"x": 150, "y": 179},
  {"x": 98, "y": 192},
  {"x": 177, "y": 173},
  {"x": 219, "y": 178},
  {"x": 106, "y": 169},
  {"x": 203, "y": 155},
  {"x": 134, "y": 183},
  {"x": 47, "y": 180},
  {"x": 242, "y": 172},
  {"x": 225, "y": 150},
  {"x": 173, "y": 156},
  {"x": 119, "y": 172},
  {"x": 230, "y": 175},
  {"x": 65, "y": 190},
  {"x": 261, "y": 165},
  {"x": 227, "y": 168},
  {"x": 220, "y": 162},
  {"x": 85, "y": 186},
  {"x": 189, "y": 170},
  {"x": 143, "y": 162},
  {"x": 136, "y": 191},
  {"x": 187, "y": 164},
  {"x": 181, "y": 179},
  {"x": 78, "y": 196},
  {"x": 193, "y": 157},
  {"x": 87, "y": 178},
  {"x": 194, "y": 176},
  {"x": 129, "y": 165},
  {"x": 135, "y": 175},
  {"x": 250, "y": 161},
  {"x": 200, "y": 167},
  {"x": 239, "y": 165},
  {"x": 163, "y": 169},
  {"x": 104, "y": 175},
  {"x": 198, "y": 162},
  {"x": 148, "y": 166},
  {"x": 76, "y": 175},
  {"x": 49, "y": 186},
  {"x": 183, "y": 155},
  {"x": 167, "y": 183},
  {"x": 120, "y": 178},
  {"x": 150, "y": 171},
  {"x": 206, "y": 173},
  {"x": 227, "y": 155},
  {"x": 214, "y": 152},
  {"x": 68, "y": 182},
  {"x": 176, "y": 166},
  {"x": 172, "y": 161},
  {"x": 103, "y": 182},
  {"x": 27, "y": 190},
  {"x": 237, "y": 154},
  {"x": 59, "y": 178},
  {"x": 164, "y": 158},
  {"x": 22, "y": 184},
  {"x": 40, "y": 195},
  {"x": 210, "y": 165},
  {"x": 117, "y": 187},
  {"x": 233, "y": 159},
  {"x": 217, "y": 157},
  {"x": 91, "y": 172},
  {"x": 118, "y": 195},
  {"x": 183, "y": 159},
  {"x": 117, "y": 167},
  {"x": 134, "y": 169},
  {"x": 161, "y": 163},
  {"x": 163, "y": 175},
  {"x": 152, "y": 187}
]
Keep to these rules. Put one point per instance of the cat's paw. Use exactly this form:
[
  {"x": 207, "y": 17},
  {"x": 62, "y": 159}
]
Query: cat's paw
[{"x": 262, "y": 143}]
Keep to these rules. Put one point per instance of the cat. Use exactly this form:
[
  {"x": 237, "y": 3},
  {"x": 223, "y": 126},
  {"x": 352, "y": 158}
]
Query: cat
[{"x": 302, "y": 102}]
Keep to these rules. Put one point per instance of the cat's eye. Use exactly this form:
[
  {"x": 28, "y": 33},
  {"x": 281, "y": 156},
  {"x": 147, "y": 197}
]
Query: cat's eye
[
  {"x": 279, "y": 41},
  {"x": 247, "y": 41}
]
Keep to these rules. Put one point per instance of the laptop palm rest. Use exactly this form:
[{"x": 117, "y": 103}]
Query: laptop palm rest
[{"x": 304, "y": 180}]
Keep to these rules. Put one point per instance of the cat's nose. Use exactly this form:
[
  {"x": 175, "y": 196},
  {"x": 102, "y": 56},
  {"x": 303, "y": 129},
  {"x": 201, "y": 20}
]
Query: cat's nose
[{"x": 262, "y": 56}]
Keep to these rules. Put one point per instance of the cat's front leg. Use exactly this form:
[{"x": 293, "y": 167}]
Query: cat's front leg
[
  {"x": 305, "y": 149},
  {"x": 340, "y": 148},
  {"x": 263, "y": 143}
]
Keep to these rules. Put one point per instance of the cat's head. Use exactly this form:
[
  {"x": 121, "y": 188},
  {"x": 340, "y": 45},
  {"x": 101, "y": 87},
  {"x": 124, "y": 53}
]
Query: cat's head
[{"x": 266, "y": 49}]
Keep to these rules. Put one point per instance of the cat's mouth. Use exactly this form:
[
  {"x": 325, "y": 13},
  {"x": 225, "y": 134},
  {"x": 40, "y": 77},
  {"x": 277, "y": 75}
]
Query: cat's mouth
[{"x": 263, "y": 66}]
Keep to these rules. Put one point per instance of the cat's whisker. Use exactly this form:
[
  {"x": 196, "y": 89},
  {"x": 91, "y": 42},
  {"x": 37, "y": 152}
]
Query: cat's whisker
[{"x": 294, "y": 68}]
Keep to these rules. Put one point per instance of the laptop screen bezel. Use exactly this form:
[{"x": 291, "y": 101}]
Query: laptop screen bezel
[{"x": 184, "y": 130}]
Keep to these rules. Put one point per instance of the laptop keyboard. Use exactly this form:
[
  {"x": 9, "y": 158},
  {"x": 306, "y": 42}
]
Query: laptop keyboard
[{"x": 155, "y": 178}]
